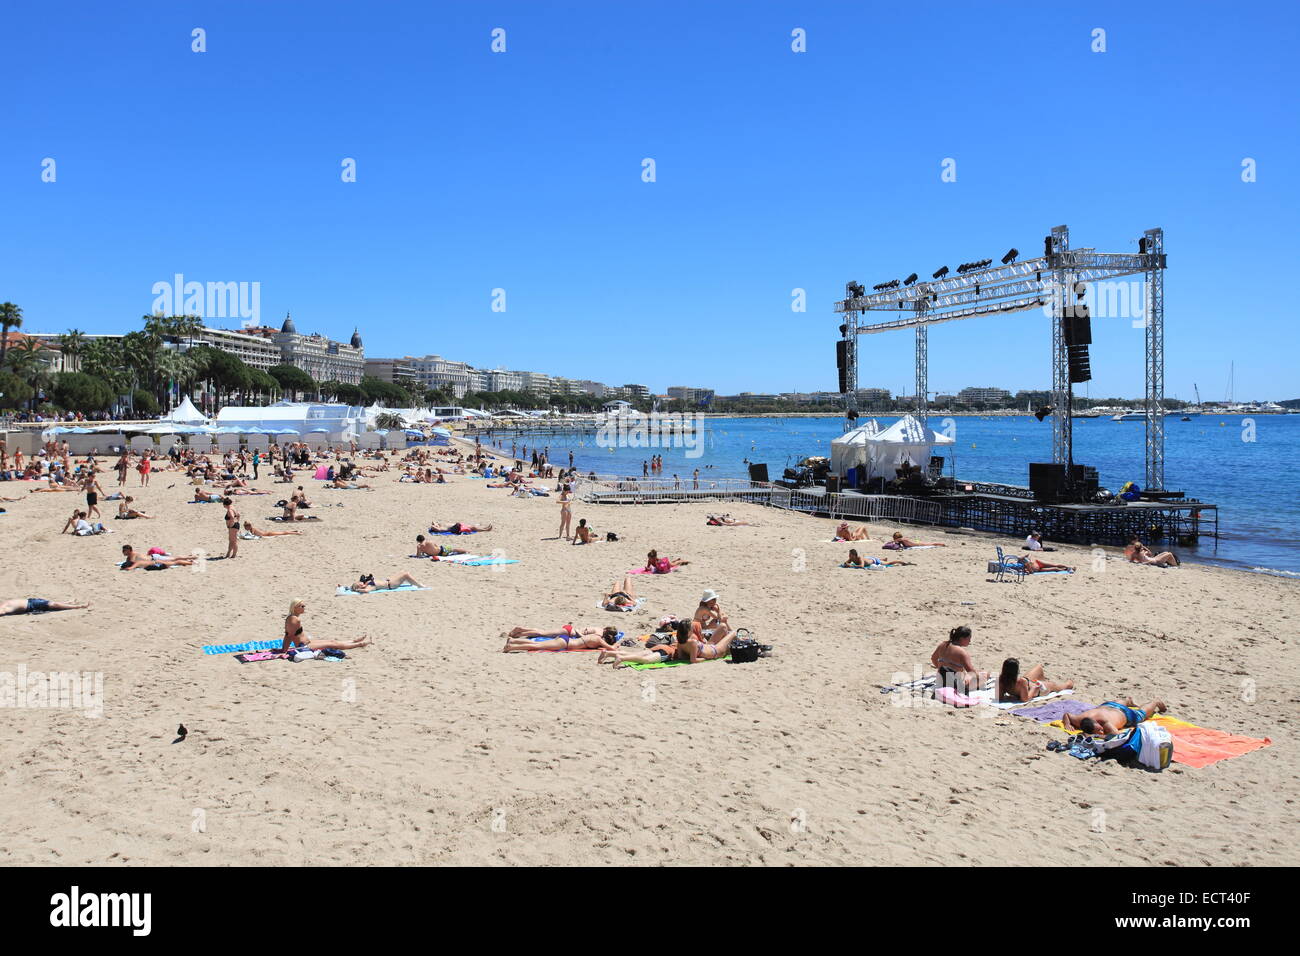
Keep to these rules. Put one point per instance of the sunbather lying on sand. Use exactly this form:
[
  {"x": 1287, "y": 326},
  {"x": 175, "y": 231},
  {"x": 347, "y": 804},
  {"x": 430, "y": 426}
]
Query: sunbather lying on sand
[
  {"x": 620, "y": 596},
  {"x": 1012, "y": 685},
  {"x": 459, "y": 527},
  {"x": 154, "y": 559},
  {"x": 898, "y": 543},
  {"x": 1033, "y": 565},
  {"x": 35, "y": 606},
  {"x": 856, "y": 560},
  {"x": 429, "y": 549},
  {"x": 294, "y": 636},
  {"x": 846, "y": 533},
  {"x": 1112, "y": 717},
  {"x": 657, "y": 565},
  {"x": 725, "y": 521},
  {"x": 562, "y": 638},
  {"x": 206, "y": 497},
  {"x": 349, "y": 485},
  {"x": 659, "y": 649},
  {"x": 259, "y": 533},
  {"x": 367, "y": 583}
]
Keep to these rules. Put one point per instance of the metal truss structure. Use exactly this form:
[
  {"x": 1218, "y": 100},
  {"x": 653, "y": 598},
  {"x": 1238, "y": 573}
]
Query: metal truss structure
[{"x": 1044, "y": 283}]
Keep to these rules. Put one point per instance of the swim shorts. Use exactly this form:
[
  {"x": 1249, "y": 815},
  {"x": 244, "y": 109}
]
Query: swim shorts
[{"x": 37, "y": 605}]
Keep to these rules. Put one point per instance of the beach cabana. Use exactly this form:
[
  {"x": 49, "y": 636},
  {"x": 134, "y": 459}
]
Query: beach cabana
[{"x": 850, "y": 449}]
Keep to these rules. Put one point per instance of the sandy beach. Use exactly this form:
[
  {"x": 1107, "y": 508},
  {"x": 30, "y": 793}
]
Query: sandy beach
[{"x": 433, "y": 747}]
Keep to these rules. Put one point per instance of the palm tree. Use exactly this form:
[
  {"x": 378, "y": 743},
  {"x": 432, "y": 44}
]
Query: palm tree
[
  {"x": 71, "y": 345},
  {"x": 390, "y": 421},
  {"x": 11, "y": 317}
]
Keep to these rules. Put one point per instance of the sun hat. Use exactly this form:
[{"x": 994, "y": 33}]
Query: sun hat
[{"x": 709, "y": 595}]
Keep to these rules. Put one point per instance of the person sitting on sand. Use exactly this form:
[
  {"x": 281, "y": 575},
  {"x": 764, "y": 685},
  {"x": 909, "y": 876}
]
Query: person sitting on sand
[
  {"x": 856, "y": 560},
  {"x": 953, "y": 662},
  {"x": 1112, "y": 717},
  {"x": 126, "y": 512},
  {"x": 459, "y": 527},
  {"x": 1012, "y": 685},
  {"x": 430, "y": 550},
  {"x": 367, "y": 583},
  {"x": 657, "y": 565},
  {"x": 846, "y": 533},
  {"x": 708, "y": 615},
  {"x": 692, "y": 647},
  {"x": 900, "y": 543},
  {"x": 1139, "y": 553},
  {"x": 259, "y": 533},
  {"x": 156, "y": 558},
  {"x": 81, "y": 527},
  {"x": 620, "y": 598},
  {"x": 1035, "y": 542},
  {"x": 583, "y": 534},
  {"x": 563, "y": 638},
  {"x": 725, "y": 521},
  {"x": 35, "y": 606},
  {"x": 295, "y": 638}
]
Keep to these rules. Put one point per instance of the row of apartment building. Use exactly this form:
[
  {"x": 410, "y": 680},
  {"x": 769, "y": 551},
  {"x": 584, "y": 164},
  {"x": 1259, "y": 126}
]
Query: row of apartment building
[{"x": 458, "y": 378}]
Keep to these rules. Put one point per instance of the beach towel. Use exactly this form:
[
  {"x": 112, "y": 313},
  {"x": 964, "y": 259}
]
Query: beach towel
[
  {"x": 1047, "y": 713},
  {"x": 242, "y": 646},
  {"x": 342, "y": 591},
  {"x": 456, "y": 534},
  {"x": 947, "y": 695},
  {"x": 644, "y": 571},
  {"x": 1198, "y": 747},
  {"x": 635, "y": 607},
  {"x": 322, "y": 473},
  {"x": 299, "y": 518},
  {"x": 1012, "y": 705},
  {"x": 865, "y": 567},
  {"x": 651, "y": 667},
  {"x": 256, "y": 657},
  {"x": 482, "y": 562}
]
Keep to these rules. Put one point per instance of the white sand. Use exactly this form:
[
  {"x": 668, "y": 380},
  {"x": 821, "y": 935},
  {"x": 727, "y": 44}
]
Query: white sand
[{"x": 433, "y": 747}]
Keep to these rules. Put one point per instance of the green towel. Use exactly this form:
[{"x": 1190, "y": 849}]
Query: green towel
[{"x": 650, "y": 667}]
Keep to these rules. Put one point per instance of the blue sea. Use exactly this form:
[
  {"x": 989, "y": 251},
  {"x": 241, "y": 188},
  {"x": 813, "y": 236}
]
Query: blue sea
[{"x": 1248, "y": 465}]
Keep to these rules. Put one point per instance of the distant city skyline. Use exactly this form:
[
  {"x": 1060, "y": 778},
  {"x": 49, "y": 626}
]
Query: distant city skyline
[{"x": 416, "y": 195}]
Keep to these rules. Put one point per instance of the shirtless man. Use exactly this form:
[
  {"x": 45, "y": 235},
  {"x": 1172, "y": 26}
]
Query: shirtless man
[
  {"x": 134, "y": 560},
  {"x": 1112, "y": 717},
  {"x": 35, "y": 606},
  {"x": 427, "y": 548}
]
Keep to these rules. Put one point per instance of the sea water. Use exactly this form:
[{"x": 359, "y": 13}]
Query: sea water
[{"x": 1247, "y": 465}]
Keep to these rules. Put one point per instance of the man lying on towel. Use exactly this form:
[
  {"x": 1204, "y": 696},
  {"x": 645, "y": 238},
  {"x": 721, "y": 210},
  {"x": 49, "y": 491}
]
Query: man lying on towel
[{"x": 1112, "y": 717}]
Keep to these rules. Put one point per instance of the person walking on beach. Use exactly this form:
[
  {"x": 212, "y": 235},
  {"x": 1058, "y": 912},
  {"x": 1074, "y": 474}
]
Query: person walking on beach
[
  {"x": 122, "y": 466},
  {"x": 93, "y": 491},
  {"x": 144, "y": 468}
]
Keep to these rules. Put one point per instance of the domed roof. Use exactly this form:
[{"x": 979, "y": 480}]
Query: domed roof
[
  {"x": 288, "y": 325},
  {"x": 356, "y": 339}
]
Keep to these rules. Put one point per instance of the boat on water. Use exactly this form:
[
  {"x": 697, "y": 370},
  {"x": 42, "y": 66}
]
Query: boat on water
[{"x": 1129, "y": 417}]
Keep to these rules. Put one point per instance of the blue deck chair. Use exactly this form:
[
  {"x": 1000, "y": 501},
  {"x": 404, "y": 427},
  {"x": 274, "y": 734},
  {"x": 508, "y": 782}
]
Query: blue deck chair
[{"x": 1009, "y": 565}]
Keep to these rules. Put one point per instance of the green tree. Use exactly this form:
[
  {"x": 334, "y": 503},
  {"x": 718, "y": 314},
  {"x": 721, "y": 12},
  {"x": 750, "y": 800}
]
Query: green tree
[
  {"x": 72, "y": 343},
  {"x": 293, "y": 379},
  {"x": 14, "y": 392},
  {"x": 144, "y": 404},
  {"x": 390, "y": 421},
  {"x": 79, "y": 392}
]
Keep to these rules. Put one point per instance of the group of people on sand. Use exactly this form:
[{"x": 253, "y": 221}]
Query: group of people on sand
[{"x": 956, "y": 669}]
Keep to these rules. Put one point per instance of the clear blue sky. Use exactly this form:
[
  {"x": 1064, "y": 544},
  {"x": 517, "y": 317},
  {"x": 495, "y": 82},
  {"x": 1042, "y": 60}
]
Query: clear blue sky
[{"x": 775, "y": 170}]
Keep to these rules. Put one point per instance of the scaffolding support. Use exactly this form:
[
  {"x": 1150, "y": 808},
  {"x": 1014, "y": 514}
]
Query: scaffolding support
[{"x": 1155, "y": 364}]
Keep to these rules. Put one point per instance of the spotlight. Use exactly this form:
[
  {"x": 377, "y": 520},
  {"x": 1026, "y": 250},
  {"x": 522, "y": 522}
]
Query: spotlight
[
  {"x": 940, "y": 273},
  {"x": 910, "y": 279},
  {"x": 1010, "y": 257},
  {"x": 1043, "y": 412}
]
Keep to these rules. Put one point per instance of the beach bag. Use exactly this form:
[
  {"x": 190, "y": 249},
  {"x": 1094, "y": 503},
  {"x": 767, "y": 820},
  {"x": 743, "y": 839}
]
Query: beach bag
[
  {"x": 1157, "y": 747},
  {"x": 744, "y": 651},
  {"x": 1124, "y": 746},
  {"x": 611, "y": 536}
]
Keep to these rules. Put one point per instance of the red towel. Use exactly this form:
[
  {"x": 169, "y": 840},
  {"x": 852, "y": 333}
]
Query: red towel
[{"x": 1200, "y": 746}]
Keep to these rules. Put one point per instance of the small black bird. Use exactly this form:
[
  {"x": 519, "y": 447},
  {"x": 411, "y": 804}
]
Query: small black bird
[{"x": 181, "y": 732}]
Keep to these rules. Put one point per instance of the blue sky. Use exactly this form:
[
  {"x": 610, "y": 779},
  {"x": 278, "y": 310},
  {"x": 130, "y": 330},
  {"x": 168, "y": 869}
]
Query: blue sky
[{"x": 775, "y": 171}]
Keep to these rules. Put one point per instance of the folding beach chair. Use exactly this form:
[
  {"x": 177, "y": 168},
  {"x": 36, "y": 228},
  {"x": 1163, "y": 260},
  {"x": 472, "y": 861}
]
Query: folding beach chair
[{"x": 1007, "y": 564}]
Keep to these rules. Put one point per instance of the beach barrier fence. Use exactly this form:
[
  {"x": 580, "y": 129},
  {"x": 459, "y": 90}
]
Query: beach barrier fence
[{"x": 615, "y": 490}]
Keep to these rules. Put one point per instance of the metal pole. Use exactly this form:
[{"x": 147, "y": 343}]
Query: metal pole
[
  {"x": 850, "y": 370},
  {"x": 1062, "y": 290},
  {"x": 922, "y": 371},
  {"x": 1155, "y": 361}
]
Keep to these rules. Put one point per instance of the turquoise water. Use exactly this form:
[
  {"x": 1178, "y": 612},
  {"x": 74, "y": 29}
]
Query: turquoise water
[{"x": 1248, "y": 465}]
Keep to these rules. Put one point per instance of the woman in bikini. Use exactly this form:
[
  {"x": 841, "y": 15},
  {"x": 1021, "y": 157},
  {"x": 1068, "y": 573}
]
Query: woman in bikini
[
  {"x": 367, "y": 583},
  {"x": 294, "y": 636},
  {"x": 1033, "y": 565},
  {"x": 125, "y": 511},
  {"x": 898, "y": 543},
  {"x": 659, "y": 649},
  {"x": 1014, "y": 686},
  {"x": 459, "y": 527},
  {"x": 566, "y": 515},
  {"x": 657, "y": 565},
  {"x": 232, "y": 528},
  {"x": 953, "y": 662},
  {"x": 620, "y": 598},
  {"x": 259, "y": 533},
  {"x": 691, "y": 647},
  {"x": 566, "y": 638},
  {"x": 845, "y": 533},
  {"x": 1139, "y": 553}
]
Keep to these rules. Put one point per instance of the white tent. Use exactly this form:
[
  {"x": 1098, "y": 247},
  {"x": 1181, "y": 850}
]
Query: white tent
[
  {"x": 185, "y": 414},
  {"x": 906, "y": 442},
  {"x": 850, "y": 449}
]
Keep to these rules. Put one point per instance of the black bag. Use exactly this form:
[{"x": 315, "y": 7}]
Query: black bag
[
  {"x": 744, "y": 650},
  {"x": 611, "y": 536}
]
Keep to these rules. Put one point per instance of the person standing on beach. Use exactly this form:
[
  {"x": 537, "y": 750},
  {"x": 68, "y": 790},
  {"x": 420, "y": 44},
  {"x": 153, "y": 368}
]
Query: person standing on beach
[
  {"x": 143, "y": 468},
  {"x": 566, "y": 515},
  {"x": 232, "y": 528},
  {"x": 122, "y": 466},
  {"x": 93, "y": 491}
]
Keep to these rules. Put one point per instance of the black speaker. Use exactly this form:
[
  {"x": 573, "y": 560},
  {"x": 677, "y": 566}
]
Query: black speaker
[
  {"x": 1080, "y": 365},
  {"x": 1084, "y": 482},
  {"x": 1077, "y": 325},
  {"x": 841, "y": 363},
  {"x": 1046, "y": 480},
  {"x": 758, "y": 472}
]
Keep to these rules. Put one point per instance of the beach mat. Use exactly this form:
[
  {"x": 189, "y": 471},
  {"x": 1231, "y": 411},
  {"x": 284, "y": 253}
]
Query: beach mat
[
  {"x": 644, "y": 571},
  {"x": 343, "y": 592},
  {"x": 256, "y": 657},
  {"x": 1198, "y": 747},
  {"x": 1053, "y": 711},
  {"x": 652, "y": 667},
  {"x": 242, "y": 646},
  {"x": 452, "y": 533}
]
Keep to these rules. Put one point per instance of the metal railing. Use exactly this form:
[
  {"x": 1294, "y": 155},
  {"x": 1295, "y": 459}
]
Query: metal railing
[{"x": 615, "y": 490}]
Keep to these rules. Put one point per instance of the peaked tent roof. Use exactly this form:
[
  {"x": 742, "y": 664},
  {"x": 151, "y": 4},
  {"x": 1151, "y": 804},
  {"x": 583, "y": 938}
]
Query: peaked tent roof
[
  {"x": 908, "y": 431},
  {"x": 186, "y": 413}
]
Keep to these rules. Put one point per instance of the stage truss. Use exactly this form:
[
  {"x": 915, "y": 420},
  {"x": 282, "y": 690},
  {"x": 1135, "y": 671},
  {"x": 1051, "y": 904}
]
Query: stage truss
[{"x": 1047, "y": 282}]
